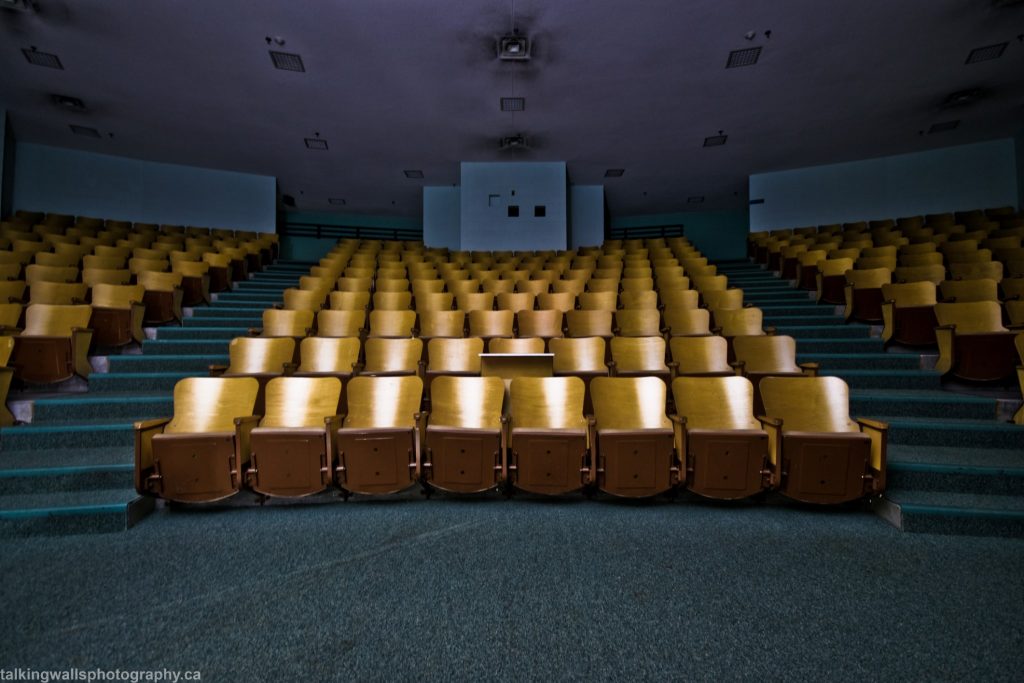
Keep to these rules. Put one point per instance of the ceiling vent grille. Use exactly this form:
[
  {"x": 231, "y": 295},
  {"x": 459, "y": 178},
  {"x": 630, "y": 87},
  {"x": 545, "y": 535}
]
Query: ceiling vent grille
[
  {"x": 286, "y": 61},
  {"x": 316, "y": 143},
  {"x": 984, "y": 54},
  {"x": 38, "y": 58},
  {"x": 413, "y": 174},
  {"x": 614, "y": 172},
  {"x": 745, "y": 57},
  {"x": 943, "y": 126},
  {"x": 69, "y": 103},
  {"x": 85, "y": 131},
  {"x": 715, "y": 140},
  {"x": 513, "y": 103}
]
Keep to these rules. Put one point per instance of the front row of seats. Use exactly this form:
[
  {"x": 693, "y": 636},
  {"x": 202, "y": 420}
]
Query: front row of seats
[{"x": 533, "y": 436}]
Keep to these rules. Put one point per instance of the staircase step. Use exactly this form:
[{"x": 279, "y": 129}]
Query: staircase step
[
  {"x": 254, "y": 307},
  {"x": 201, "y": 333},
  {"x": 64, "y": 478},
  {"x": 120, "y": 382},
  {"x": 251, "y": 321},
  {"x": 797, "y": 307},
  {"x": 789, "y": 318},
  {"x": 994, "y": 481},
  {"x": 845, "y": 345},
  {"x": 824, "y": 331},
  {"x": 923, "y": 404},
  {"x": 164, "y": 363},
  {"x": 855, "y": 361},
  {"x": 954, "y": 513},
  {"x": 79, "y": 512},
  {"x": 952, "y": 432},
  {"x": 69, "y": 434},
  {"x": 259, "y": 286},
  {"x": 95, "y": 406},
  {"x": 887, "y": 379},
  {"x": 176, "y": 347},
  {"x": 225, "y": 313},
  {"x": 776, "y": 297},
  {"x": 233, "y": 298},
  {"x": 82, "y": 458}
]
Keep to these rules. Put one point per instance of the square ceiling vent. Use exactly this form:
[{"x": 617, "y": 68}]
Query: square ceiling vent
[
  {"x": 38, "y": 58},
  {"x": 984, "y": 54},
  {"x": 287, "y": 61},
  {"x": 513, "y": 103},
  {"x": 715, "y": 140},
  {"x": 614, "y": 173},
  {"x": 85, "y": 131},
  {"x": 745, "y": 57},
  {"x": 316, "y": 143}
]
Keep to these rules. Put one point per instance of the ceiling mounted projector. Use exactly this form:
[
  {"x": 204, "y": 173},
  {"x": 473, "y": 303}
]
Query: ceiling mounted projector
[
  {"x": 517, "y": 141},
  {"x": 514, "y": 48}
]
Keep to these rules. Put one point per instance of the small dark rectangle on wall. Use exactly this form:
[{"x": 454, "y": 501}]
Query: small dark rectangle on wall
[
  {"x": 540, "y": 211},
  {"x": 513, "y": 211},
  {"x": 756, "y": 201}
]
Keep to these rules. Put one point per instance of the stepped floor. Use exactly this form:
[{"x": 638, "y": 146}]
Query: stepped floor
[
  {"x": 955, "y": 466},
  {"x": 70, "y": 468}
]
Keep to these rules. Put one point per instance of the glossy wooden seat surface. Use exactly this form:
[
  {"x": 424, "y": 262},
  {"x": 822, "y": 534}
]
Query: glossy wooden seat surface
[{"x": 322, "y": 355}]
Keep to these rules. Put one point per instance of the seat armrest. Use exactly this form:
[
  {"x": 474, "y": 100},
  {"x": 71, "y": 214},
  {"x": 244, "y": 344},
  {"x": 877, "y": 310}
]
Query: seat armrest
[
  {"x": 217, "y": 370},
  {"x": 879, "y": 434},
  {"x": 255, "y": 331},
  {"x": 773, "y": 427},
  {"x": 810, "y": 369}
]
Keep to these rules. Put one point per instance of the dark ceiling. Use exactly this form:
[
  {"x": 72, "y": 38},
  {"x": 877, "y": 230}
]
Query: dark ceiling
[{"x": 396, "y": 85}]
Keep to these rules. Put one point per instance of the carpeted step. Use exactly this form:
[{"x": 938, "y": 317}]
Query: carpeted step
[
  {"x": 68, "y": 434},
  {"x": 840, "y": 331},
  {"x": 225, "y": 313},
  {"x": 67, "y": 478},
  {"x": 77, "y": 512},
  {"x": 956, "y": 477},
  {"x": 254, "y": 307},
  {"x": 164, "y": 363},
  {"x": 952, "y": 432},
  {"x": 887, "y": 379},
  {"x": 813, "y": 318},
  {"x": 954, "y": 513},
  {"x": 93, "y": 406},
  {"x": 175, "y": 347},
  {"x": 797, "y": 307},
  {"x": 925, "y": 404},
  {"x": 66, "y": 457},
  {"x": 862, "y": 361},
  {"x": 845, "y": 345},
  {"x": 251, "y": 321},
  {"x": 260, "y": 286},
  {"x": 233, "y": 298},
  {"x": 779, "y": 297},
  {"x": 121, "y": 382},
  {"x": 201, "y": 333}
]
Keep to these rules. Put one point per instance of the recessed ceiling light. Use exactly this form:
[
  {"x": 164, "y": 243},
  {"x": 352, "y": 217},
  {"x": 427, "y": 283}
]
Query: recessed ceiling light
[
  {"x": 695, "y": 200},
  {"x": 413, "y": 174},
  {"x": 943, "y": 126},
  {"x": 715, "y": 140},
  {"x": 983, "y": 54},
  {"x": 745, "y": 57},
  {"x": 513, "y": 142},
  {"x": 514, "y": 48},
  {"x": 85, "y": 131},
  {"x": 316, "y": 143},
  {"x": 68, "y": 102},
  {"x": 38, "y": 58},
  {"x": 336, "y": 201},
  {"x": 614, "y": 172},
  {"x": 513, "y": 103},
  {"x": 287, "y": 61}
]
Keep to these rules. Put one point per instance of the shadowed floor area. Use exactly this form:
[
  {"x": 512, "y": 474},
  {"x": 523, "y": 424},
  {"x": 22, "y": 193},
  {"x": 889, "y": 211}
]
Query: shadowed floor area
[{"x": 521, "y": 589}]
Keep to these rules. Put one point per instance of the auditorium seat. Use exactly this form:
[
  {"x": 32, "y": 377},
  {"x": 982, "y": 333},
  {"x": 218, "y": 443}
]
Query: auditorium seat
[
  {"x": 933, "y": 273},
  {"x": 54, "y": 345},
  {"x": 58, "y": 293},
  {"x": 392, "y": 323},
  {"x": 676, "y": 299},
  {"x": 6, "y": 375},
  {"x": 332, "y": 323},
  {"x": 863, "y": 293},
  {"x": 262, "y": 358},
  {"x": 196, "y": 456},
  {"x": 583, "y": 358},
  {"x": 634, "y": 439},
  {"x": 163, "y": 297},
  {"x": 763, "y": 356},
  {"x": 391, "y": 357},
  {"x": 831, "y": 279},
  {"x": 966, "y": 291},
  {"x": 290, "y": 452},
  {"x": 516, "y": 345},
  {"x": 377, "y": 446},
  {"x": 632, "y": 300},
  {"x": 465, "y": 439},
  {"x": 549, "y": 449},
  {"x": 700, "y": 356},
  {"x": 1018, "y": 418},
  {"x": 686, "y": 322},
  {"x": 94, "y": 276},
  {"x": 639, "y": 357},
  {"x": 821, "y": 455},
  {"x": 973, "y": 344},
  {"x": 589, "y": 323},
  {"x": 546, "y": 324},
  {"x": 639, "y": 322},
  {"x": 349, "y": 301},
  {"x": 117, "y": 314},
  {"x": 724, "y": 448}
]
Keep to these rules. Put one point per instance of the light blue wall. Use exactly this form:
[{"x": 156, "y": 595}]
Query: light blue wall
[
  {"x": 720, "y": 235},
  {"x": 442, "y": 217},
  {"x": 948, "y": 179},
  {"x": 489, "y": 188},
  {"x": 586, "y": 210},
  {"x": 85, "y": 184}
]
